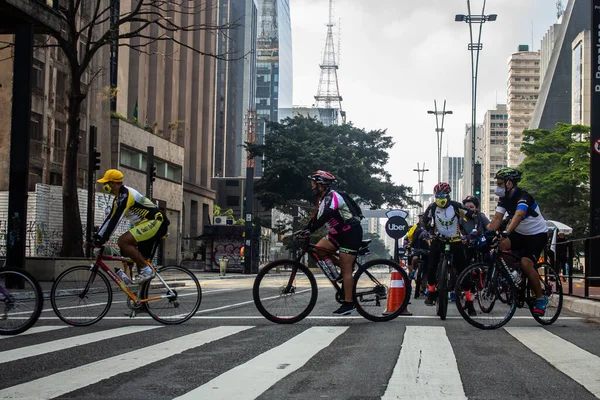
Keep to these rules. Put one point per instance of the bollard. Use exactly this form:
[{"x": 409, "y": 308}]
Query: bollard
[{"x": 223, "y": 265}]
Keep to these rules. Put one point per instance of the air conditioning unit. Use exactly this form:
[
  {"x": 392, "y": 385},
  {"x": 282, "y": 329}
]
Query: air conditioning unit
[{"x": 221, "y": 220}]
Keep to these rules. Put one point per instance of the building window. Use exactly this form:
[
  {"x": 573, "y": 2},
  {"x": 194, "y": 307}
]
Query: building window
[
  {"x": 82, "y": 142},
  {"x": 135, "y": 159},
  {"x": 132, "y": 159},
  {"x": 60, "y": 134},
  {"x": 37, "y": 76},
  {"x": 232, "y": 182},
  {"x": 232, "y": 201},
  {"x": 35, "y": 127}
]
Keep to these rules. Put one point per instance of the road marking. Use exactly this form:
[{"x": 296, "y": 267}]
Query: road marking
[
  {"x": 573, "y": 361},
  {"x": 67, "y": 381},
  {"x": 37, "y": 329},
  {"x": 259, "y": 374},
  {"x": 426, "y": 367},
  {"x": 67, "y": 343}
]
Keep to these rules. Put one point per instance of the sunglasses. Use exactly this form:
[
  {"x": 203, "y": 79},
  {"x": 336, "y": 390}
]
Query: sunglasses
[{"x": 441, "y": 196}]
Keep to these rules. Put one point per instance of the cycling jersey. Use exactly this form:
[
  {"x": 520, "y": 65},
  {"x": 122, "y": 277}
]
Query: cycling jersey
[
  {"x": 332, "y": 212},
  {"x": 131, "y": 204},
  {"x": 533, "y": 222},
  {"x": 447, "y": 221}
]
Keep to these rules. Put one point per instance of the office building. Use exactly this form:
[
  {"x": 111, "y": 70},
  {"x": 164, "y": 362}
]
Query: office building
[
  {"x": 452, "y": 170},
  {"x": 581, "y": 82},
  {"x": 467, "y": 175},
  {"x": 495, "y": 132},
  {"x": 522, "y": 94}
]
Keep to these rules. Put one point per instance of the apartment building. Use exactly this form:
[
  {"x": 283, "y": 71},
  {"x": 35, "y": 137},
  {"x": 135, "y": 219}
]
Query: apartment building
[{"x": 495, "y": 133}]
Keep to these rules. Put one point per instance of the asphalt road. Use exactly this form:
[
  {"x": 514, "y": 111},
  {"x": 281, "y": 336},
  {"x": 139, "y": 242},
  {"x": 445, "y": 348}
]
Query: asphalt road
[{"x": 229, "y": 351}]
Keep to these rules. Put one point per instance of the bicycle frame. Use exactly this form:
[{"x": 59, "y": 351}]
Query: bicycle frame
[{"x": 119, "y": 281}]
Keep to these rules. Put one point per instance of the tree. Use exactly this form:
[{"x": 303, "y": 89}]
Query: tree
[
  {"x": 295, "y": 147},
  {"x": 556, "y": 170},
  {"x": 83, "y": 35},
  {"x": 376, "y": 247}
]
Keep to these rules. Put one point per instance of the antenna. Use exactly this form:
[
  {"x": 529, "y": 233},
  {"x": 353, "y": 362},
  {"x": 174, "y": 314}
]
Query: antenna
[
  {"x": 532, "y": 36},
  {"x": 559, "y": 9}
]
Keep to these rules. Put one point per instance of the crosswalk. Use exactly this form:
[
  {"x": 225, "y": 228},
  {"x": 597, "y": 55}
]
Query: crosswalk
[{"x": 426, "y": 363}]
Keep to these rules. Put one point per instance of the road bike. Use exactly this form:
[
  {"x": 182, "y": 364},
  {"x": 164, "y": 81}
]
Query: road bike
[
  {"x": 82, "y": 295},
  {"x": 498, "y": 287},
  {"x": 22, "y": 299},
  {"x": 285, "y": 291},
  {"x": 445, "y": 276}
]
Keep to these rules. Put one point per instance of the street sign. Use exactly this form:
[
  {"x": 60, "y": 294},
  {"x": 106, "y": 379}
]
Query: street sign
[
  {"x": 396, "y": 227},
  {"x": 597, "y": 146}
]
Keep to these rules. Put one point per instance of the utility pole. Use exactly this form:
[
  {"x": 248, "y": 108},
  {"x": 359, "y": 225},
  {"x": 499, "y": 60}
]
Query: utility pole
[
  {"x": 248, "y": 210},
  {"x": 420, "y": 175},
  {"x": 439, "y": 130},
  {"x": 93, "y": 166}
]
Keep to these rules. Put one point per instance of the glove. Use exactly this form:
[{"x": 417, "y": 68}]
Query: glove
[
  {"x": 472, "y": 235},
  {"x": 302, "y": 233},
  {"x": 97, "y": 240},
  {"x": 504, "y": 234},
  {"x": 424, "y": 236}
]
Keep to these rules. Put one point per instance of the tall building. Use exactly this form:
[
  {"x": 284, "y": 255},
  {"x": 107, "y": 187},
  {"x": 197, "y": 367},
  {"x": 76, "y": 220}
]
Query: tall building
[
  {"x": 236, "y": 86},
  {"x": 556, "y": 91},
  {"x": 581, "y": 83},
  {"x": 467, "y": 175},
  {"x": 523, "y": 91},
  {"x": 274, "y": 80},
  {"x": 452, "y": 169},
  {"x": 495, "y": 132},
  {"x": 546, "y": 48}
]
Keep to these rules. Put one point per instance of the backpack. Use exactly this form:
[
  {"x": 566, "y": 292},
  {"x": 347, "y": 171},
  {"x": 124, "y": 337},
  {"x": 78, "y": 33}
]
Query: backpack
[
  {"x": 456, "y": 205},
  {"x": 411, "y": 233},
  {"x": 352, "y": 206}
]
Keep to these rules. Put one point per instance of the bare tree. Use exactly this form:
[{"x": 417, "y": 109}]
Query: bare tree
[{"x": 106, "y": 25}]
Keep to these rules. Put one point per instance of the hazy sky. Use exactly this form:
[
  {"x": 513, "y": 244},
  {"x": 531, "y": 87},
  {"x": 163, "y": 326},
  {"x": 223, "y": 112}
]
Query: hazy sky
[{"x": 397, "y": 56}]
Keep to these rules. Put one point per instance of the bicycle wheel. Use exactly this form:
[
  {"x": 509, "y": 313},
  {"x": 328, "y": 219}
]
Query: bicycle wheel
[
  {"x": 442, "y": 288},
  {"x": 378, "y": 294},
  {"x": 176, "y": 305},
  {"x": 23, "y": 300},
  {"x": 81, "y": 296},
  {"x": 475, "y": 280},
  {"x": 551, "y": 288},
  {"x": 285, "y": 291}
]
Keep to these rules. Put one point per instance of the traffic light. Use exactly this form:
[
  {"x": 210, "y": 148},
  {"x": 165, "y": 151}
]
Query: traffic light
[
  {"x": 153, "y": 177},
  {"x": 477, "y": 180},
  {"x": 96, "y": 160}
]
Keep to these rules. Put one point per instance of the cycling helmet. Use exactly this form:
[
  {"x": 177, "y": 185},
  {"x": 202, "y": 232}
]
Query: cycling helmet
[
  {"x": 509, "y": 174},
  {"x": 322, "y": 177},
  {"x": 471, "y": 199},
  {"x": 442, "y": 188}
]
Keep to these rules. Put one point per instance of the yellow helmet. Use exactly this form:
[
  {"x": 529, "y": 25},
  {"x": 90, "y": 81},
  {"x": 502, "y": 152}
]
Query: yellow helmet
[{"x": 112, "y": 175}]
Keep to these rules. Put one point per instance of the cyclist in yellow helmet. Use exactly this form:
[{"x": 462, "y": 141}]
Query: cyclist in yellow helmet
[{"x": 149, "y": 223}]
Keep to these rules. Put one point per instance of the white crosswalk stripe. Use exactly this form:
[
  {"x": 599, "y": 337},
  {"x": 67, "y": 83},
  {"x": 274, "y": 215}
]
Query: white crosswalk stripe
[
  {"x": 257, "y": 375},
  {"x": 426, "y": 366},
  {"x": 37, "y": 329},
  {"x": 578, "y": 364}
]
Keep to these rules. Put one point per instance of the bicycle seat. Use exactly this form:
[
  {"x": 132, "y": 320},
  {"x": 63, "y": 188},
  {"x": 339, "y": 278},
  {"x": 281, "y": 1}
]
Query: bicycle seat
[{"x": 365, "y": 242}]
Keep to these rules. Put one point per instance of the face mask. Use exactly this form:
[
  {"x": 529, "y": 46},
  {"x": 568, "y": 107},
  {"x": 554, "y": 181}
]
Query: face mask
[
  {"x": 106, "y": 187},
  {"x": 441, "y": 202},
  {"x": 500, "y": 192}
]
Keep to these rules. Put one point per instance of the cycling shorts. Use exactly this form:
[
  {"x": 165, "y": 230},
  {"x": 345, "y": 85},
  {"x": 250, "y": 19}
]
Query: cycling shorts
[
  {"x": 529, "y": 246},
  {"x": 149, "y": 232},
  {"x": 348, "y": 240}
]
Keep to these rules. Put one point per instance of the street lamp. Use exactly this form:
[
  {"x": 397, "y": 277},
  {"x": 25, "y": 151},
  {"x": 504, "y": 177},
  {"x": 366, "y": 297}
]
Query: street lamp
[
  {"x": 440, "y": 132},
  {"x": 474, "y": 48}
]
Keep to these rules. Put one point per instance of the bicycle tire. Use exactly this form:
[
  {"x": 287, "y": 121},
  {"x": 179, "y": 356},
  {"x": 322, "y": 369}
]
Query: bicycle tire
[
  {"x": 475, "y": 279},
  {"x": 185, "y": 286},
  {"x": 364, "y": 293},
  {"x": 26, "y": 302},
  {"x": 442, "y": 288},
  {"x": 274, "y": 297},
  {"x": 549, "y": 278},
  {"x": 67, "y": 291}
]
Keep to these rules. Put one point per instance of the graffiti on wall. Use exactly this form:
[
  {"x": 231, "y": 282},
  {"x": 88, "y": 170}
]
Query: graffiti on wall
[{"x": 227, "y": 247}]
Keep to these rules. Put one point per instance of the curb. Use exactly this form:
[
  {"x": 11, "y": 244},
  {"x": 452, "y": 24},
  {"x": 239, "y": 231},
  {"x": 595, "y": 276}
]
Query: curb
[
  {"x": 212, "y": 278},
  {"x": 590, "y": 308}
]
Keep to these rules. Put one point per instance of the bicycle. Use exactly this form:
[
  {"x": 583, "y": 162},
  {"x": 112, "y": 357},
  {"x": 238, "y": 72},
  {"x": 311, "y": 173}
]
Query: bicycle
[
  {"x": 421, "y": 271},
  {"x": 499, "y": 287},
  {"x": 285, "y": 291},
  {"x": 23, "y": 300},
  {"x": 445, "y": 276},
  {"x": 82, "y": 295}
]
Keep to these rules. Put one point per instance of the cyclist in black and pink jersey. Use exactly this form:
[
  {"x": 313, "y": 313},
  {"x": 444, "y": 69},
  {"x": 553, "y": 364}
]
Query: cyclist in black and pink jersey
[{"x": 345, "y": 231}]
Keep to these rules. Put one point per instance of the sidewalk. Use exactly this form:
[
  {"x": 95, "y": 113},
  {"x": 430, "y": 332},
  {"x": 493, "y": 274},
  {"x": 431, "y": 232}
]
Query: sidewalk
[{"x": 588, "y": 308}]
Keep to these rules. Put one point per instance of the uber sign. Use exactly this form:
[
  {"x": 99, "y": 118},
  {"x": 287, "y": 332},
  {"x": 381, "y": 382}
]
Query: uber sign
[{"x": 396, "y": 227}]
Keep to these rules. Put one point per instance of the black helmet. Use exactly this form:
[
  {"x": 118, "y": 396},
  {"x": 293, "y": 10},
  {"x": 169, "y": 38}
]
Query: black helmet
[
  {"x": 509, "y": 174},
  {"x": 471, "y": 199}
]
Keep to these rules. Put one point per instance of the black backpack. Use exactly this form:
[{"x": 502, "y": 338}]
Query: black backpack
[{"x": 352, "y": 206}]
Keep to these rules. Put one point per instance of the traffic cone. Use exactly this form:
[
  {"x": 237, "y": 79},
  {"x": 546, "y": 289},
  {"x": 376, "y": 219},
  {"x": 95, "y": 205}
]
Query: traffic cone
[{"x": 396, "y": 294}]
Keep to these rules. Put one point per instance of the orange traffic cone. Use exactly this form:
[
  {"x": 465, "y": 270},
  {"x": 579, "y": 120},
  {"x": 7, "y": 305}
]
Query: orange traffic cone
[{"x": 396, "y": 294}]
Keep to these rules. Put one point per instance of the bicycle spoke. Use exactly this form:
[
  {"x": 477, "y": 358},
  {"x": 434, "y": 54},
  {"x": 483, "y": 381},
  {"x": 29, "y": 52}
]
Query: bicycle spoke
[{"x": 21, "y": 301}]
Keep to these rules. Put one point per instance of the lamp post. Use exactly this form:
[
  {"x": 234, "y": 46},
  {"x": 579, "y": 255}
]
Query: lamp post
[
  {"x": 474, "y": 48},
  {"x": 439, "y": 130}
]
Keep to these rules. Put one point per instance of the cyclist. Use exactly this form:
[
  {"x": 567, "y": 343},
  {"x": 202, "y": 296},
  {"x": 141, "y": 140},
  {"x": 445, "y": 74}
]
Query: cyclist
[
  {"x": 444, "y": 218},
  {"x": 527, "y": 231},
  {"x": 149, "y": 223},
  {"x": 474, "y": 226},
  {"x": 419, "y": 242},
  {"x": 345, "y": 231}
]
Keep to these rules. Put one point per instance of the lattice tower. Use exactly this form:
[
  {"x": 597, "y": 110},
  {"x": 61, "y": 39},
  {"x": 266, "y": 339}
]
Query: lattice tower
[
  {"x": 559, "y": 9},
  {"x": 328, "y": 94}
]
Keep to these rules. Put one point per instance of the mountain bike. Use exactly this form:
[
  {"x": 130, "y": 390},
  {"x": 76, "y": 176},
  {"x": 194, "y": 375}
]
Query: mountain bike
[
  {"x": 285, "y": 291},
  {"x": 22, "y": 299},
  {"x": 82, "y": 295},
  {"x": 498, "y": 287}
]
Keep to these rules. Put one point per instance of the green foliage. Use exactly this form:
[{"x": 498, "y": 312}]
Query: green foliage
[
  {"x": 556, "y": 171},
  {"x": 218, "y": 212},
  {"x": 357, "y": 158},
  {"x": 376, "y": 247}
]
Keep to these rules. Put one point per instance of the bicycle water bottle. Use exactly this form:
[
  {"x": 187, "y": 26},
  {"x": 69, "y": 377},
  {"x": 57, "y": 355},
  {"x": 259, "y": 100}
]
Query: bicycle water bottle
[
  {"x": 123, "y": 276},
  {"x": 332, "y": 268},
  {"x": 516, "y": 276}
]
